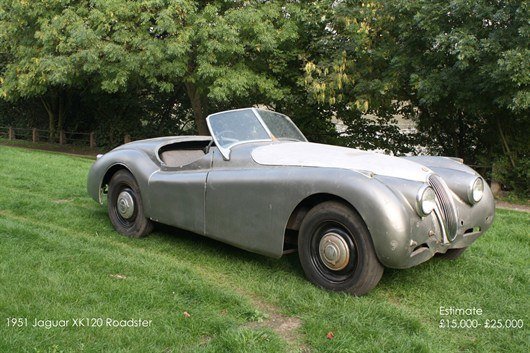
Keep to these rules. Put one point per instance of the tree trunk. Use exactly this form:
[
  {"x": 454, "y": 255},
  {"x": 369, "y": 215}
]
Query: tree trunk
[
  {"x": 51, "y": 118},
  {"x": 198, "y": 105},
  {"x": 461, "y": 136},
  {"x": 55, "y": 106},
  {"x": 455, "y": 139},
  {"x": 505, "y": 146},
  {"x": 61, "y": 109}
]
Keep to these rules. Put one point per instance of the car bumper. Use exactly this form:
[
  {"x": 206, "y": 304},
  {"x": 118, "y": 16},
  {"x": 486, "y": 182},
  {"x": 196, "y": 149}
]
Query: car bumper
[{"x": 425, "y": 234}]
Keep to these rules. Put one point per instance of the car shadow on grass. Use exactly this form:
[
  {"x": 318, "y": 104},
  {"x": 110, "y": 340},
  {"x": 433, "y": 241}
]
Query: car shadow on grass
[
  {"x": 210, "y": 248},
  {"x": 215, "y": 248},
  {"x": 197, "y": 246}
]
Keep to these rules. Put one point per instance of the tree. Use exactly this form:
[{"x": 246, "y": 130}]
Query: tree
[
  {"x": 55, "y": 49},
  {"x": 345, "y": 68},
  {"x": 470, "y": 61},
  {"x": 217, "y": 50},
  {"x": 237, "y": 50},
  {"x": 467, "y": 63},
  {"x": 459, "y": 68}
]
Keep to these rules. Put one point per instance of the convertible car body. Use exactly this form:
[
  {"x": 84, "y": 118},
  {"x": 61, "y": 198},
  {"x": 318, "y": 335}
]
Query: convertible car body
[{"x": 257, "y": 184}]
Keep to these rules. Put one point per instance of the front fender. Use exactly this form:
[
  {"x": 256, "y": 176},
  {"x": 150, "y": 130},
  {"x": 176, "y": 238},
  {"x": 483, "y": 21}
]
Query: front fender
[
  {"x": 401, "y": 237},
  {"x": 390, "y": 219},
  {"x": 387, "y": 215},
  {"x": 137, "y": 162}
]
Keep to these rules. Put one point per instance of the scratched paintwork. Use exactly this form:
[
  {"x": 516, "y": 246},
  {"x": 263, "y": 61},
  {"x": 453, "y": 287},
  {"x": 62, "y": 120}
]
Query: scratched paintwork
[{"x": 250, "y": 198}]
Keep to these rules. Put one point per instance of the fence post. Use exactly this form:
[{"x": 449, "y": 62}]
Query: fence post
[
  {"x": 62, "y": 138},
  {"x": 127, "y": 138},
  {"x": 92, "y": 140},
  {"x": 11, "y": 134},
  {"x": 35, "y": 135}
]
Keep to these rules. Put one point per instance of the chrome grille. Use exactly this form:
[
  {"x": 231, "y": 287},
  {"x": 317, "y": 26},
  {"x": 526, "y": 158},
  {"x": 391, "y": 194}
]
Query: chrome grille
[{"x": 446, "y": 205}]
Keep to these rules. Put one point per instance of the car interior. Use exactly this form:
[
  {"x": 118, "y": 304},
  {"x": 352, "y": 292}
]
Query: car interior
[{"x": 183, "y": 153}]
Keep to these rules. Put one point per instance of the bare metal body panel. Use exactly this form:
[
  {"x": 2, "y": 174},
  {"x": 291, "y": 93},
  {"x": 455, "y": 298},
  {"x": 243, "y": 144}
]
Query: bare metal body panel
[{"x": 248, "y": 204}]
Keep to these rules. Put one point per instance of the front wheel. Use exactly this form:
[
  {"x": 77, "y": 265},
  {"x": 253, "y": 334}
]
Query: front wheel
[
  {"x": 125, "y": 206},
  {"x": 336, "y": 250}
]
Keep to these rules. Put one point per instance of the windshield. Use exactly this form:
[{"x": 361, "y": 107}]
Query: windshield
[
  {"x": 236, "y": 126},
  {"x": 245, "y": 125},
  {"x": 281, "y": 126}
]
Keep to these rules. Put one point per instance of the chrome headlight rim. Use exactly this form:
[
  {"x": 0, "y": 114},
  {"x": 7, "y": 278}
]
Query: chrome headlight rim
[
  {"x": 425, "y": 200},
  {"x": 475, "y": 191}
]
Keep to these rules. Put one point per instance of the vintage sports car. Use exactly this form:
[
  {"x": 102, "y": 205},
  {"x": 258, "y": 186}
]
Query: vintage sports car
[{"x": 257, "y": 184}]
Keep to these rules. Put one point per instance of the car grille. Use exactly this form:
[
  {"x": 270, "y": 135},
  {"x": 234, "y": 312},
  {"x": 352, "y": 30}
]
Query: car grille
[{"x": 446, "y": 205}]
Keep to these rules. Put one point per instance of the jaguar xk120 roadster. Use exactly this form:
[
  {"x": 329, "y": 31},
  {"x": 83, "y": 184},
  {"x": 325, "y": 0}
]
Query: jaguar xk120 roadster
[{"x": 258, "y": 184}]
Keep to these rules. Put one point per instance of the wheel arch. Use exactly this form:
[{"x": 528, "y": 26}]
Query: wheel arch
[
  {"x": 113, "y": 169},
  {"x": 300, "y": 211},
  {"x": 385, "y": 214},
  {"x": 134, "y": 161}
]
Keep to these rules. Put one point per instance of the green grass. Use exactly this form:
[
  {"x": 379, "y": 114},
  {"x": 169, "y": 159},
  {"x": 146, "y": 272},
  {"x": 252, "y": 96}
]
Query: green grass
[
  {"x": 82, "y": 149},
  {"x": 60, "y": 257}
]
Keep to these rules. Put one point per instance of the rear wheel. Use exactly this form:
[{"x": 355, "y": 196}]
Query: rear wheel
[
  {"x": 336, "y": 250},
  {"x": 125, "y": 206}
]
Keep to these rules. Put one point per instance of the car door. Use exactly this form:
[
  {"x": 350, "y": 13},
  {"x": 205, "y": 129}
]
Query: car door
[
  {"x": 177, "y": 194},
  {"x": 240, "y": 202}
]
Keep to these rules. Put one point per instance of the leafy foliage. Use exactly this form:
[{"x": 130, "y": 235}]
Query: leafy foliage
[
  {"x": 217, "y": 51},
  {"x": 459, "y": 69}
]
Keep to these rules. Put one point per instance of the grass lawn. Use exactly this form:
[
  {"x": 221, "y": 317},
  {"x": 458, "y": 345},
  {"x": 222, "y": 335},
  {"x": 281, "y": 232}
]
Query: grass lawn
[
  {"x": 60, "y": 259},
  {"x": 53, "y": 147}
]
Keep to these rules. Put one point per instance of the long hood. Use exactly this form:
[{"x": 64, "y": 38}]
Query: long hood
[{"x": 306, "y": 154}]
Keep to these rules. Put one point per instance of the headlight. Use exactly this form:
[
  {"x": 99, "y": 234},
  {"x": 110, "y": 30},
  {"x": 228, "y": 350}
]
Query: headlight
[
  {"x": 426, "y": 200},
  {"x": 476, "y": 190}
]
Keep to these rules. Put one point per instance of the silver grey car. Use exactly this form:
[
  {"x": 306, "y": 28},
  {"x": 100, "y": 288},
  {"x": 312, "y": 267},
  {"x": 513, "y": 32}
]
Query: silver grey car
[{"x": 259, "y": 185}]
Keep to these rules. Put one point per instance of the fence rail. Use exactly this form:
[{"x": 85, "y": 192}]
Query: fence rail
[
  {"x": 63, "y": 137},
  {"x": 41, "y": 135},
  {"x": 89, "y": 139}
]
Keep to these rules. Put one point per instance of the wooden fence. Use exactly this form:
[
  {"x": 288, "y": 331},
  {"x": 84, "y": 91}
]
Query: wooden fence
[
  {"x": 89, "y": 139},
  {"x": 64, "y": 137},
  {"x": 39, "y": 135}
]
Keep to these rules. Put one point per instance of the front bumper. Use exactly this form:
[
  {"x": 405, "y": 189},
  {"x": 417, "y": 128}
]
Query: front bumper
[{"x": 426, "y": 237}]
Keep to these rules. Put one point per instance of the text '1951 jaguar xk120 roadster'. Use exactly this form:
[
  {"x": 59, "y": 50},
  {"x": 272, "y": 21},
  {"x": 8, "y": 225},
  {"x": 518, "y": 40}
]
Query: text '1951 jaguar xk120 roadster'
[{"x": 258, "y": 184}]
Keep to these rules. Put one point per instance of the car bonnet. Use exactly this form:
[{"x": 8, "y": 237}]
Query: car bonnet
[{"x": 307, "y": 154}]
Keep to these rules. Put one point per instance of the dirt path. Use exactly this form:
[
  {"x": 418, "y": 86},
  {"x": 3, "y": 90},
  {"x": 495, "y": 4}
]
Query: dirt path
[
  {"x": 513, "y": 207},
  {"x": 286, "y": 327}
]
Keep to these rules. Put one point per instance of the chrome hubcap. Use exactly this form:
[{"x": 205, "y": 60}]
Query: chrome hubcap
[
  {"x": 125, "y": 204},
  {"x": 334, "y": 251}
]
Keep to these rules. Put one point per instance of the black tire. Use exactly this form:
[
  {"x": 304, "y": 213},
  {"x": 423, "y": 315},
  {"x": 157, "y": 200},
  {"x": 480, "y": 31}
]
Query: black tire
[
  {"x": 340, "y": 227},
  {"x": 452, "y": 254},
  {"x": 135, "y": 225}
]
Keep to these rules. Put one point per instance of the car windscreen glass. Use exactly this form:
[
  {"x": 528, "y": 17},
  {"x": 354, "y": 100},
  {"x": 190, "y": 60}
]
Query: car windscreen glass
[
  {"x": 280, "y": 126},
  {"x": 237, "y": 126}
]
